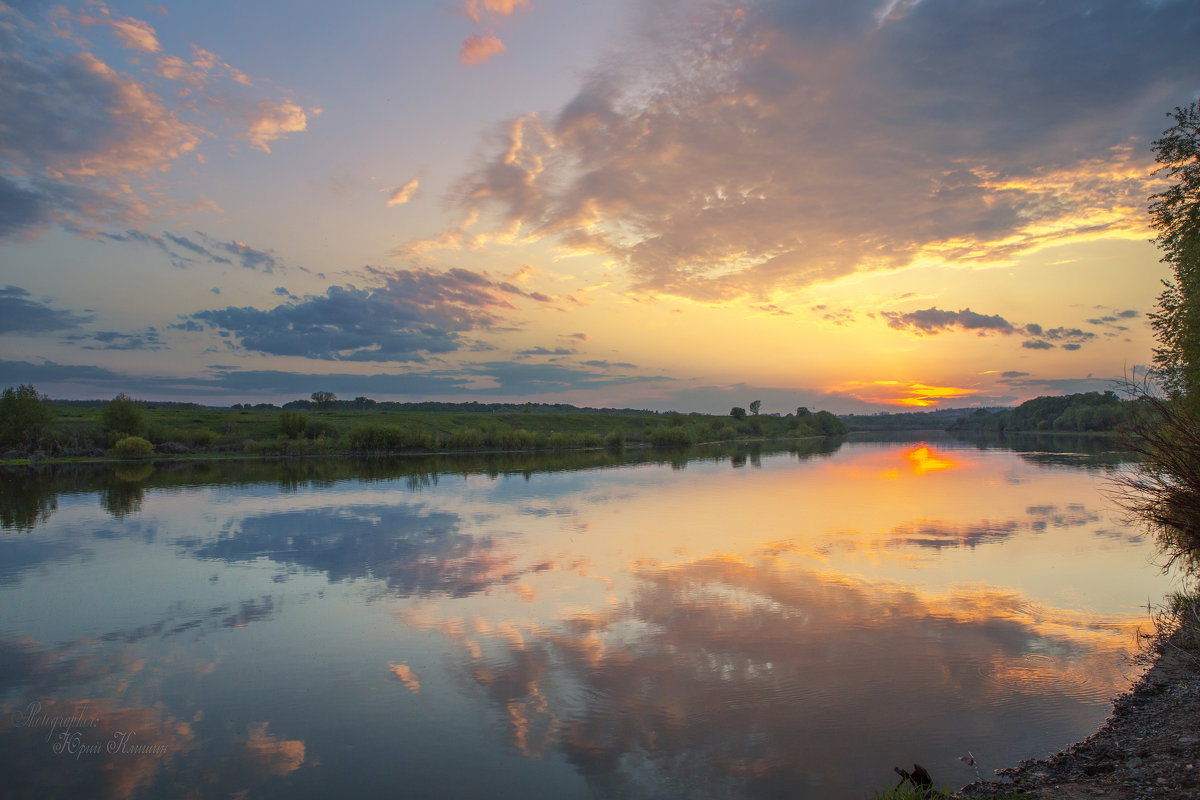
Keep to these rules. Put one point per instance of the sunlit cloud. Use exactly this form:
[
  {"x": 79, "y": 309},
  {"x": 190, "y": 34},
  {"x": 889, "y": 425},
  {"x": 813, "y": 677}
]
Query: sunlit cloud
[
  {"x": 273, "y": 120},
  {"x": 729, "y": 155},
  {"x": 476, "y": 9},
  {"x": 134, "y": 34},
  {"x": 477, "y": 49},
  {"x": 403, "y": 194}
]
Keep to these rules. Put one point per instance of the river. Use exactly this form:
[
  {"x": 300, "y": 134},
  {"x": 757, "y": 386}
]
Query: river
[{"x": 754, "y": 622}]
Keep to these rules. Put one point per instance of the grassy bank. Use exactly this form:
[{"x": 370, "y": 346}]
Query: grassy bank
[{"x": 78, "y": 431}]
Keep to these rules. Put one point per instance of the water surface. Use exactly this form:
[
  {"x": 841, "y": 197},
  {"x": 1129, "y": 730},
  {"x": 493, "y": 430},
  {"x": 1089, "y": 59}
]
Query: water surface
[{"x": 716, "y": 624}]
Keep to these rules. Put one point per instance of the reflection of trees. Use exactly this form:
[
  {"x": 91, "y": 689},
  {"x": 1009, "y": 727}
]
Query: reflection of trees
[
  {"x": 728, "y": 678},
  {"x": 28, "y": 495},
  {"x": 1048, "y": 449}
]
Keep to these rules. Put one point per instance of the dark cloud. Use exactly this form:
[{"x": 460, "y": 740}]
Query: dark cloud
[
  {"x": 544, "y": 351},
  {"x": 147, "y": 339},
  {"x": 18, "y": 314},
  {"x": 934, "y": 320},
  {"x": 778, "y": 144},
  {"x": 1013, "y": 374},
  {"x": 412, "y": 314},
  {"x": 22, "y": 212}
]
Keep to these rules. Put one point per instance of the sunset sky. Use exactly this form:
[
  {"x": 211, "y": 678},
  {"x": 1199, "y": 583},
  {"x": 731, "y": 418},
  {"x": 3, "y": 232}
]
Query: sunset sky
[{"x": 667, "y": 204}]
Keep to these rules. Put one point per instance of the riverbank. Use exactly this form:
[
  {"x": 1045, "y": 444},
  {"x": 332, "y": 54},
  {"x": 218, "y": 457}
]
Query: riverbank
[{"x": 1148, "y": 749}]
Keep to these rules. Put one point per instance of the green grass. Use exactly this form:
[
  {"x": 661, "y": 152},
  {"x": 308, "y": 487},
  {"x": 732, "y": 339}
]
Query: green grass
[{"x": 274, "y": 432}]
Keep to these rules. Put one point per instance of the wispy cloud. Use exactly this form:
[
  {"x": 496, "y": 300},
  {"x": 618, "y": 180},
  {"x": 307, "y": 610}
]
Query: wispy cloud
[{"x": 403, "y": 194}]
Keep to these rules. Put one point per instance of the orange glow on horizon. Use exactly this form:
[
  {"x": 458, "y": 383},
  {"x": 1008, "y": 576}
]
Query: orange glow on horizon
[{"x": 897, "y": 393}]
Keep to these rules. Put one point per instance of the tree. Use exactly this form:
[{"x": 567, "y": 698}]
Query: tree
[
  {"x": 802, "y": 411},
  {"x": 324, "y": 400},
  {"x": 737, "y": 412},
  {"x": 123, "y": 415},
  {"x": 1175, "y": 214},
  {"x": 25, "y": 416},
  {"x": 755, "y": 406}
]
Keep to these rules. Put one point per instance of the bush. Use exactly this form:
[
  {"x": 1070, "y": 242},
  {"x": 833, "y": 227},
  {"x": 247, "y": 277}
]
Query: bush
[
  {"x": 615, "y": 441},
  {"x": 292, "y": 424},
  {"x": 132, "y": 447},
  {"x": 670, "y": 437},
  {"x": 25, "y": 416},
  {"x": 321, "y": 429},
  {"x": 384, "y": 438}
]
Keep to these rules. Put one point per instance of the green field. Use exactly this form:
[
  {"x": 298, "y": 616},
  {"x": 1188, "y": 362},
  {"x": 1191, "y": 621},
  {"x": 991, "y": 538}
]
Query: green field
[{"x": 90, "y": 431}]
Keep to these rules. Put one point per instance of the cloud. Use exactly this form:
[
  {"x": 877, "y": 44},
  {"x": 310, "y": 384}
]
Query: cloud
[
  {"x": 147, "y": 339},
  {"x": 477, "y": 8},
  {"x": 412, "y": 314},
  {"x": 134, "y": 34},
  {"x": 273, "y": 120},
  {"x": 1013, "y": 374},
  {"x": 737, "y": 150},
  {"x": 404, "y": 193},
  {"x": 85, "y": 145},
  {"x": 934, "y": 320},
  {"x": 18, "y": 314},
  {"x": 477, "y": 49}
]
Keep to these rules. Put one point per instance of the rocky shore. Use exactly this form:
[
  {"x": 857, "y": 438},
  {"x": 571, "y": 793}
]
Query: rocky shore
[{"x": 1148, "y": 749}]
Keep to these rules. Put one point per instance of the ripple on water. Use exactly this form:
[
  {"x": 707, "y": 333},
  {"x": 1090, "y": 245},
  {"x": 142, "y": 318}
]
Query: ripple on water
[{"x": 1043, "y": 675}]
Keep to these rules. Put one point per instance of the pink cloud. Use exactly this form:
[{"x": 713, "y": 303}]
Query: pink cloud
[
  {"x": 477, "y": 49},
  {"x": 134, "y": 34},
  {"x": 270, "y": 121},
  {"x": 477, "y": 8}
]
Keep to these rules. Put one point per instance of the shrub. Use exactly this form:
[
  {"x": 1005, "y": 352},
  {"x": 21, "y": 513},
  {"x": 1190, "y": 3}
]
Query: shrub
[
  {"x": 132, "y": 447},
  {"x": 670, "y": 437},
  {"x": 292, "y": 424},
  {"x": 321, "y": 429},
  {"x": 123, "y": 415},
  {"x": 615, "y": 441}
]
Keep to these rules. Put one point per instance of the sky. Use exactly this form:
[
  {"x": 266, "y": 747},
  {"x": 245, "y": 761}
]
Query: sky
[{"x": 668, "y": 204}]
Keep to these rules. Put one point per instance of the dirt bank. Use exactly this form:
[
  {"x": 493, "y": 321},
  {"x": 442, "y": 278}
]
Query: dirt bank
[{"x": 1148, "y": 748}]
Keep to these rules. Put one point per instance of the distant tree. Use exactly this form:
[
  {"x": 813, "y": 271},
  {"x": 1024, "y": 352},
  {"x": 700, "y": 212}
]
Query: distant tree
[
  {"x": 363, "y": 402},
  {"x": 25, "y": 416},
  {"x": 755, "y": 406},
  {"x": 737, "y": 412},
  {"x": 1175, "y": 214},
  {"x": 324, "y": 400},
  {"x": 123, "y": 415},
  {"x": 802, "y": 411}
]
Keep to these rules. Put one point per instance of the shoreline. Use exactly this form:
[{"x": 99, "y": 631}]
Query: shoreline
[{"x": 1147, "y": 749}]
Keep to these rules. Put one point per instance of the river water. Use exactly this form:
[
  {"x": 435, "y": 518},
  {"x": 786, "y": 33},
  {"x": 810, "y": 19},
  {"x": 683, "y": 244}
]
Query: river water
[{"x": 789, "y": 622}]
